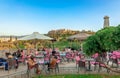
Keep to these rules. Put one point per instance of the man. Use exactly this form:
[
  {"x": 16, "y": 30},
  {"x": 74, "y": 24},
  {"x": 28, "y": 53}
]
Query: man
[{"x": 4, "y": 62}]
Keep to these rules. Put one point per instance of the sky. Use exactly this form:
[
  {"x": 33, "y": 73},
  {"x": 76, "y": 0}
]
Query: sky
[{"x": 22, "y": 17}]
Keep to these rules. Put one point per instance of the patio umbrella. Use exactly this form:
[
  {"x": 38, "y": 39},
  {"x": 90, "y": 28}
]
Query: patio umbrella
[
  {"x": 80, "y": 36},
  {"x": 34, "y": 36}
]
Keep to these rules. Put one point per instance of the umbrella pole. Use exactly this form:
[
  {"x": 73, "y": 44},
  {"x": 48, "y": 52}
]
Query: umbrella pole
[
  {"x": 36, "y": 46},
  {"x": 53, "y": 43},
  {"x": 53, "y": 46}
]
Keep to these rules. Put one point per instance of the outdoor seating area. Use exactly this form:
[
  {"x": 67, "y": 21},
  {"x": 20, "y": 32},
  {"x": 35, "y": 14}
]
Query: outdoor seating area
[
  {"x": 59, "y": 39},
  {"x": 55, "y": 62}
]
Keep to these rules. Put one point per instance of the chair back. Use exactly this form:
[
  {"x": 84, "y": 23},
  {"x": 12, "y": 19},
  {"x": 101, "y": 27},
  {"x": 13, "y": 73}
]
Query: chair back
[
  {"x": 53, "y": 63},
  {"x": 81, "y": 64},
  {"x": 11, "y": 63}
]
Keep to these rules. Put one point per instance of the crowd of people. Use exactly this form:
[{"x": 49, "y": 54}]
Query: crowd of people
[{"x": 50, "y": 58}]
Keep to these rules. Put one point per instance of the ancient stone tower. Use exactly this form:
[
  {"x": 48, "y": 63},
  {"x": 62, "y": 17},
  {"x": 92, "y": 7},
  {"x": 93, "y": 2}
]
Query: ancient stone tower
[{"x": 106, "y": 21}]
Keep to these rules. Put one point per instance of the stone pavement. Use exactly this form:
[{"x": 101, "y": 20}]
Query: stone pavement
[
  {"x": 22, "y": 69},
  {"x": 64, "y": 68}
]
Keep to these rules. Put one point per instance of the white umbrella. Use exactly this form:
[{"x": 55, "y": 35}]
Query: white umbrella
[
  {"x": 80, "y": 36},
  {"x": 34, "y": 36}
]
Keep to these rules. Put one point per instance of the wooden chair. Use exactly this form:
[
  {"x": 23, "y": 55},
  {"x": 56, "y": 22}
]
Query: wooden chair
[
  {"x": 21, "y": 60},
  {"x": 81, "y": 65},
  {"x": 54, "y": 67},
  {"x": 113, "y": 58},
  {"x": 11, "y": 63},
  {"x": 101, "y": 65},
  {"x": 29, "y": 69},
  {"x": 95, "y": 63}
]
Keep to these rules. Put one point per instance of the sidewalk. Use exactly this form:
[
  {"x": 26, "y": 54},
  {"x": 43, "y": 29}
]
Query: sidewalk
[
  {"x": 64, "y": 68},
  {"x": 22, "y": 68}
]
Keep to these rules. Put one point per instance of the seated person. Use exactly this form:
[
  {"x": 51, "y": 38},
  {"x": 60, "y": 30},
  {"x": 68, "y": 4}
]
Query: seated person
[
  {"x": 10, "y": 56},
  {"x": 33, "y": 64},
  {"x": 12, "y": 61},
  {"x": 53, "y": 62},
  {"x": 7, "y": 53},
  {"x": 4, "y": 62}
]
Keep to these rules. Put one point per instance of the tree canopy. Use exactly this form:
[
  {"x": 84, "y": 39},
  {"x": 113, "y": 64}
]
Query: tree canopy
[{"x": 106, "y": 39}]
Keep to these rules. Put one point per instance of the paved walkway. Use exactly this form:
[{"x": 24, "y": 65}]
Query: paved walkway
[
  {"x": 65, "y": 68},
  {"x": 22, "y": 68}
]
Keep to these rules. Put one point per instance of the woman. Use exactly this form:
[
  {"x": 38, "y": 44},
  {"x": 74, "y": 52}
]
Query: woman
[
  {"x": 33, "y": 64},
  {"x": 53, "y": 62}
]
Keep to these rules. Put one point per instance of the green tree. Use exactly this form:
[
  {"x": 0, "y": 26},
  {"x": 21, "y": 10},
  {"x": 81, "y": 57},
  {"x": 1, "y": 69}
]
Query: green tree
[{"x": 106, "y": 39}]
